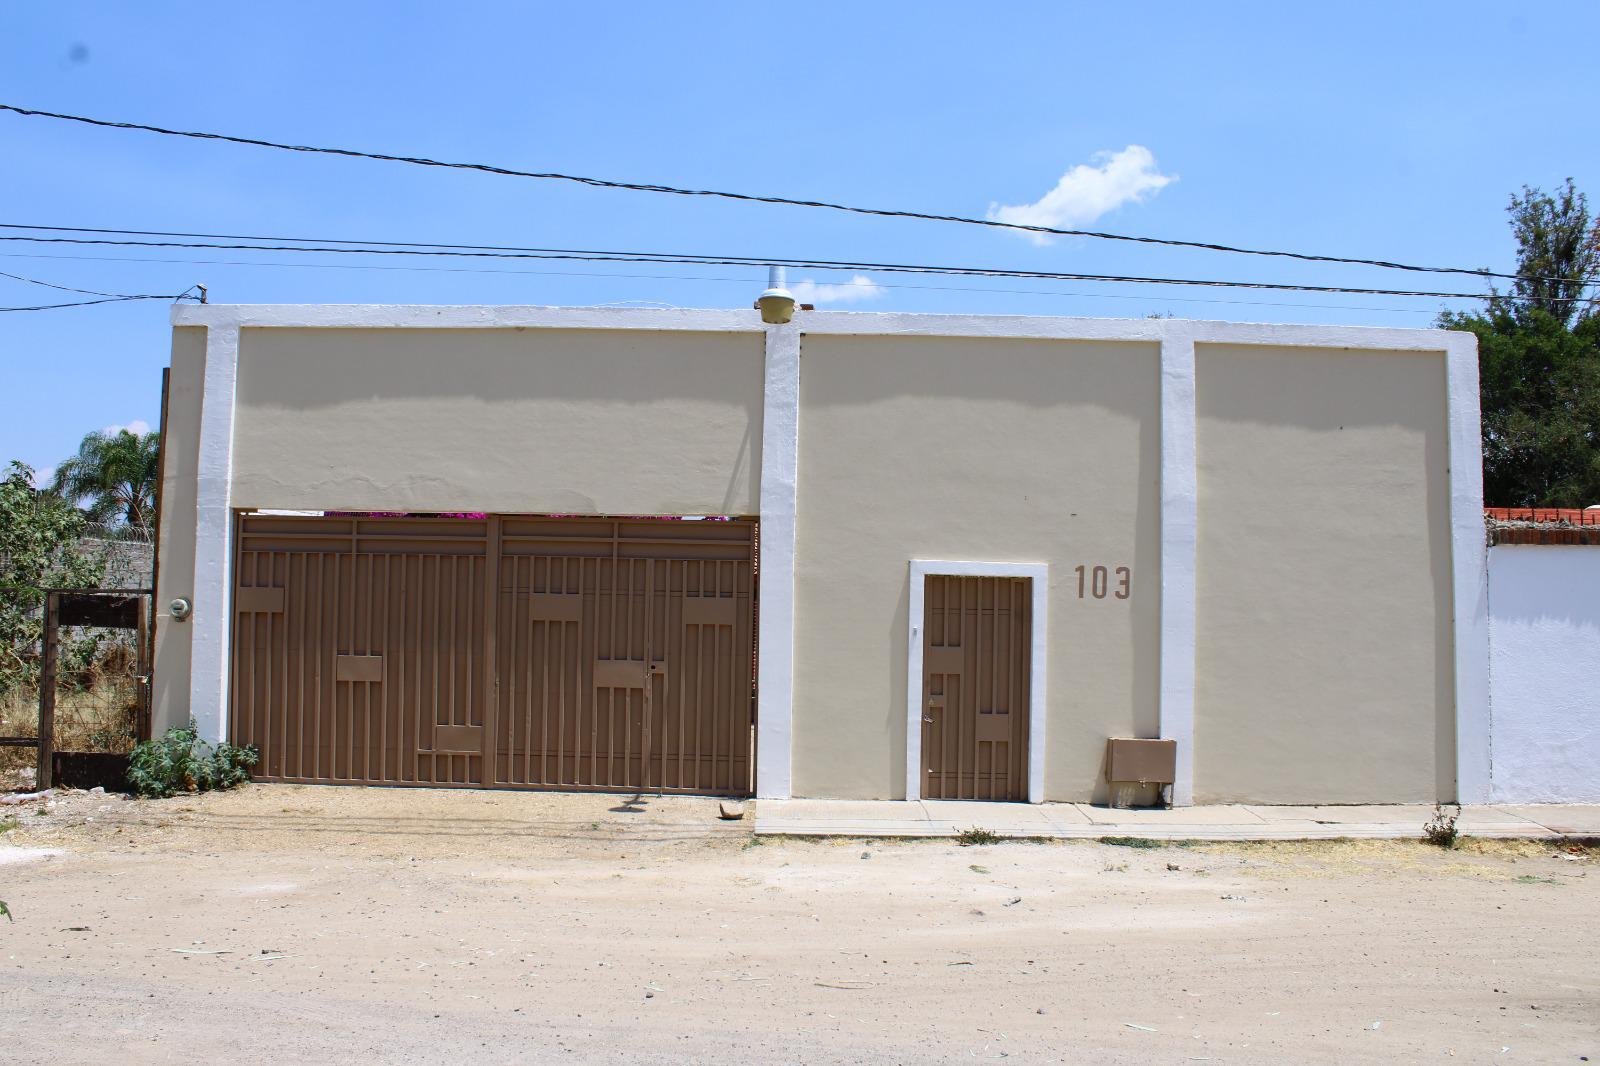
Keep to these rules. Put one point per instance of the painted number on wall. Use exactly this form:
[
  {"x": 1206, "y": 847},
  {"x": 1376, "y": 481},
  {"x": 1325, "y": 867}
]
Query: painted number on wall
[{"x": 1097, "y": 582}]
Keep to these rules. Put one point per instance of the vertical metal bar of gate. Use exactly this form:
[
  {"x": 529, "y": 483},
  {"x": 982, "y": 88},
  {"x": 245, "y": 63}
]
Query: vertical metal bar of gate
[
  {"x": 490, "y": 770},
  {"x": 646, "y": 703}
]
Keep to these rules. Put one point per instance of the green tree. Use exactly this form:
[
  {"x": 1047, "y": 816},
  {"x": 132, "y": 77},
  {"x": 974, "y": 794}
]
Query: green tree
[
  {"x": 1539, "y": 359},
  {"x": 114, "y": 477},
  {"x": 40, "y": 547},
  {"x": 1557, "y": 253}
]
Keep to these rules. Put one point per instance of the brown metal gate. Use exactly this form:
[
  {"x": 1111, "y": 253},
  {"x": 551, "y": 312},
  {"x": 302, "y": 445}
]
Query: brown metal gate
[
  {"x": 625, "y": 655},
  {"x": 359, "y": 649},
  {"x": 509, "y": 652},
  {"x": 975, "y": 658}
]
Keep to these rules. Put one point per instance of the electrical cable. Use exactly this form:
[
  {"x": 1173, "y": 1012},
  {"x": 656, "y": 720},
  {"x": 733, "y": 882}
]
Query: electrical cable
[
  {"x": 87, "y": 303},
  {"x": 63, "y": 288},
  {"x": 108, "y": 297},
  {"x": 804, "y": 264},
  {"x": 813, "y": 264},
  {"x": 697, "y": 277},
  {"x": 779, "y": 200}
]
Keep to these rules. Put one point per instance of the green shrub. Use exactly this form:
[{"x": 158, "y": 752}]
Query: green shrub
[
  {"x": 179, "y": 761},
  {"x": 1132, "y": 842}
]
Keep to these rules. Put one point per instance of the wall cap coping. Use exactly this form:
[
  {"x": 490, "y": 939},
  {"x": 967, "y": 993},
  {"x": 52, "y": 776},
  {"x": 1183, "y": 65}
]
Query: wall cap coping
[{"x": 839, "y": 323}]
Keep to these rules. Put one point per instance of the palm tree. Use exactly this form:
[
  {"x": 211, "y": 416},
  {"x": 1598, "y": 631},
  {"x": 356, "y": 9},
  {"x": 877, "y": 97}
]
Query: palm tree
[{"x": 116, "y": 475}]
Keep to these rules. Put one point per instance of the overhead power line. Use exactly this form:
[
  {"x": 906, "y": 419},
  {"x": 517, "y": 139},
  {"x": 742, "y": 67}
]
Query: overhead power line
[
  {"x": 87, "y": 303},
  {"x": 724, "y": 279},
  {"x": 68, "y": 288},
  {"x": 393, "y": 248},
  {"x": 106, "y": 297},
  {"x": 673, "y": 190}
]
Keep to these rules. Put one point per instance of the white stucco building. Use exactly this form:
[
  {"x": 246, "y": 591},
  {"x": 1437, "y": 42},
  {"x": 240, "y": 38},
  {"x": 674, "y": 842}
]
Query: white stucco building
[{"x": 956, "y": 554}]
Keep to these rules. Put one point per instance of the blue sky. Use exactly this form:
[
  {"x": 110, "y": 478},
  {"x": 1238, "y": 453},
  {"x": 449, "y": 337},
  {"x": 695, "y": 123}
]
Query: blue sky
[{"x": 1374, "y": 130}]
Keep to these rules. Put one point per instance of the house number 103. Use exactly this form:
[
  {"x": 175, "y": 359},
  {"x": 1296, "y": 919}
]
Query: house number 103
[{"x": 1095, "y": 582}]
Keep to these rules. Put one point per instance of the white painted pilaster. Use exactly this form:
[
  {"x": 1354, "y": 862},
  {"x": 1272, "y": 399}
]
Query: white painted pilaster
[
  {"x": 1469, "y": 563},
  {"x": 1179, "y": 526},
  {"x": 213, "y": 549},
  {"x": 780, "y": 454}
]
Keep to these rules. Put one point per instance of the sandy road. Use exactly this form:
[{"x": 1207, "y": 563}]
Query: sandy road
[{"x": 346, "y": 925}]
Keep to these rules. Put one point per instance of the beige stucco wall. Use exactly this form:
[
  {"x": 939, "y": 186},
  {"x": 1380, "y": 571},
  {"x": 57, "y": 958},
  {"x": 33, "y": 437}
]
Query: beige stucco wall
[
  {"x": 179, "y": 456},
  {"x": 1323, "y": 625},
  {"x": 988, "y": 450},
  {"x": 557, "y": 421}
]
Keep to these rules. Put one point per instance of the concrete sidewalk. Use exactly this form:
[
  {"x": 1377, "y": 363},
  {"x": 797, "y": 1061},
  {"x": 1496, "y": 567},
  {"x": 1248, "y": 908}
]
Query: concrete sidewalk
[{"x": 946, "y": 818}]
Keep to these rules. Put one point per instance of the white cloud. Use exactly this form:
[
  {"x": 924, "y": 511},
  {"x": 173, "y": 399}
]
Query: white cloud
[
  {"x": 43, "y": 477},
  {"x": 859, "y": 287},
  {"x": 1088, "y": 191},
  {"x": 138, "y": 427}
]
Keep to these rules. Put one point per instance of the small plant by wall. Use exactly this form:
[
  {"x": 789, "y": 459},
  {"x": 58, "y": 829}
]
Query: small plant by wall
[
  {"x": 179, "y": 761},
  {"x": 977, "y": 836},
  {"x": 1440, "y": 830}
]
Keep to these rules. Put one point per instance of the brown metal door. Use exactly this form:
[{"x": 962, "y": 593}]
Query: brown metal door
[
  {"x": 975, "y": 656},
  {"x": 624, "y": 651},
  {"x": 359, "y": 649}
]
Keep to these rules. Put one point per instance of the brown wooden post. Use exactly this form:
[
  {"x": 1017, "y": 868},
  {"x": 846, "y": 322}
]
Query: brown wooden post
[
  {"x": 149, "y": 638},
  {"x": 142, "y": 670},
  {"x": 47, "y": 692}
]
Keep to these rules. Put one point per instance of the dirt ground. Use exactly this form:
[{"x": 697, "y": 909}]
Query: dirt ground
[{"x": 290, "y": 924}]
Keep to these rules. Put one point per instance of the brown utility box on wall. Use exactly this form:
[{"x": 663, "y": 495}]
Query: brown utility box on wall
[
  {"x": 1142, "y": 761},
  {"x": 1134, "y": 766}
]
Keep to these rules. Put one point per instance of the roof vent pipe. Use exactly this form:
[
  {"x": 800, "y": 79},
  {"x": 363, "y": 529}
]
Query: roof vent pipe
[{"x": 777, "y": 303}]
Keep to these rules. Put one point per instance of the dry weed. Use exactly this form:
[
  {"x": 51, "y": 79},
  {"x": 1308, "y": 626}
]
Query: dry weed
[{"x": 100, "y": 717}]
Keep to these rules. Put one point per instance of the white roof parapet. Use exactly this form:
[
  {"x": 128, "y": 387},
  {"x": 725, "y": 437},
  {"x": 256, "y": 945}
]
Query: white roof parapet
[{"x": 845, "y": 323}]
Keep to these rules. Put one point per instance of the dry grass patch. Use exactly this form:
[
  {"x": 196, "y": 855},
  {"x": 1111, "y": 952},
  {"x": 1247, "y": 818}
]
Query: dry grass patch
[
  {"x": 1492, "y": 858},
  {"x": 19, "y": 717},
  {"x": 100, "y": 717}
]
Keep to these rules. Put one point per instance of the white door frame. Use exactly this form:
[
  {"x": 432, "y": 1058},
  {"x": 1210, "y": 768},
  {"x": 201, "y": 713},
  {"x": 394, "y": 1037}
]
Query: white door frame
[{"x": 1039, "y": 575}]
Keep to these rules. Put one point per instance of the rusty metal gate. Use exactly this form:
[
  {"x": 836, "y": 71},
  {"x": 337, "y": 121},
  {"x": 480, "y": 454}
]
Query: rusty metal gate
[
  {"x": 514, "y": 652},
  {"x": 975, "y": 659}
]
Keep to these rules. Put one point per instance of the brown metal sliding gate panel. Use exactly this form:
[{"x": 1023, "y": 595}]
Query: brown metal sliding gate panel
[
  {"x": 625, "y": 655},
  {"x": 359, "y": 649},
  {"x": 513, "y": 652},
  {"x": 975, "y": 658}
]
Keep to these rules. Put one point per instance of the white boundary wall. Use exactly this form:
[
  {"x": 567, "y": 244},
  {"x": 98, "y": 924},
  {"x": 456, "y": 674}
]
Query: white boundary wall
[
  {"x": 208, "y": 683},
  {"x": 1544, "y": 672}
]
